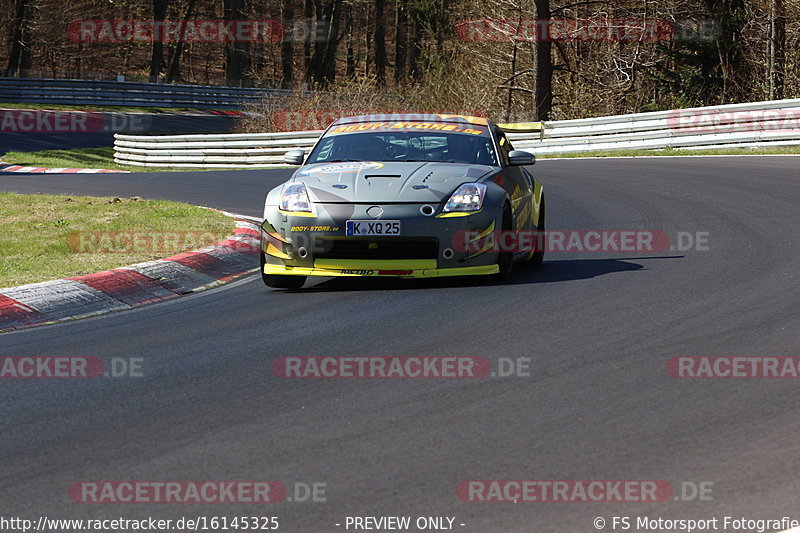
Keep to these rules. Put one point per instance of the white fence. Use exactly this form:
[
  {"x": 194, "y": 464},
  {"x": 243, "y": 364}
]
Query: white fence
[
  {"x": 232, "y": 150},
  {"x": 759, "y": 124}
]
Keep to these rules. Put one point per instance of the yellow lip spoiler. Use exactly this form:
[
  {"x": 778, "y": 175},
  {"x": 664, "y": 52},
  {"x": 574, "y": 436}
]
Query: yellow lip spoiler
[{"x": 376, "y": 272}]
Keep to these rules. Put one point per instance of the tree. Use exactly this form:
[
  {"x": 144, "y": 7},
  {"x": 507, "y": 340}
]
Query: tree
[
  {"x": 732, "y": 18},
  {"x": 350, "y": 68},
  {"x": 308, "y": 14},
  {"x": 413, "y": 63},
  {"x": 322, "y": 67},
  {"x": 157, "y": 50},
  {"x": 237, "y": 53},
  {"x": 543, "y": 65},
  {"x": 287, "y": 45},
  {"x": 173, "y": 73},
  {"x": 777, "y": 46},
  {"x": 400, "y": 42},
  {"x": 20, "y": 57},
  {"x": 329, "y": 72},
  {"x": 380, "y": 42}
]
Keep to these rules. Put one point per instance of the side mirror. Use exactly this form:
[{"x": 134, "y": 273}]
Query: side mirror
[
  {"x": 294, "y": 157},
  {"x": 518, "y": 158}
]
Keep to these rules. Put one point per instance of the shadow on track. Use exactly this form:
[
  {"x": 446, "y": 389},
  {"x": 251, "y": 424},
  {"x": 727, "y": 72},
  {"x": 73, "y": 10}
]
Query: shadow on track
[{"x": 548, "y": 272}]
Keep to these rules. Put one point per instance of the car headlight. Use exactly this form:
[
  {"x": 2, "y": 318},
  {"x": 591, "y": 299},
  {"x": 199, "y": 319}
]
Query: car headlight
[
  {"x": 468, "y": 197},
  {"x": 295, "y": 198}
]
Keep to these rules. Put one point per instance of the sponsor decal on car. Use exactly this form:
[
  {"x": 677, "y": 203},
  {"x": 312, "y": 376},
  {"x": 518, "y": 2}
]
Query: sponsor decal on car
[
  {"x": 341, "y": 167},
  {"x": 388, "y": 126},
  {"x": 314, "y": 228}
]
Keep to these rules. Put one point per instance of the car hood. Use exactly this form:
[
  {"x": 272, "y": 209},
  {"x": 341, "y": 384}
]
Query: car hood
[{"x": 383, "y": 182}]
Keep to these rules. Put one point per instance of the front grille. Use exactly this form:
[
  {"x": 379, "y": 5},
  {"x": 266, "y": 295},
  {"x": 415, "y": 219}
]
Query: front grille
[{"x": 376, "y": 248}]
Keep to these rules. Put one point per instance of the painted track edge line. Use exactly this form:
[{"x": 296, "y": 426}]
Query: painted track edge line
[{"x": 22, "y": 169}]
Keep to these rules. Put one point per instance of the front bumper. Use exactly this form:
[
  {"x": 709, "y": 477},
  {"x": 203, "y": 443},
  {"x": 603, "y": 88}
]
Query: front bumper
[
  {"x": 316, "y": 244},
  {"x": 347, "y": 270}
]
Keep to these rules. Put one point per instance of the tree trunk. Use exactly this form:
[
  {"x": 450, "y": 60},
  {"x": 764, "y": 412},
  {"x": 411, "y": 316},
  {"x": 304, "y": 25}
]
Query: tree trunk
[
  {"x": 320, "y": 34},
  {"x": 365, "y": 8},
  {"x": 237, "y": 54},
  {"x": 400, "y": 43},
  {"x": 287, "y": 45},
  {"x": 510, "y": 101},
  {"x": 20, "y": 57},
  {"x": 543, "y": 67},
  {"x": 332, "y": 44},
  {"x": 730, "y": 14},
  {"x": 157, "y": 50},
  {"x": 416, "y": 50},
  {"x": 380, "y": 42},
  {"x": 350, "y": 69},
  {"x": 174, "y": 71},
  {"x": 777, "y": 49},
  {"x": 308, "y": 14},
  {"x": 323, "y": 61}
]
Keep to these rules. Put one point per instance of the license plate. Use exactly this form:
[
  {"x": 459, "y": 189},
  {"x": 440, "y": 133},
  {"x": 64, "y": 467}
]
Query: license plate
[{"x": 372, "y": 227}]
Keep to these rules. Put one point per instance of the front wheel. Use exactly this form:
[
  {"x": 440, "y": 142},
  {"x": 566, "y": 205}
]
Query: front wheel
[
  {"x": 505, "y": 260},
  {"x": 277, "y": 281}
]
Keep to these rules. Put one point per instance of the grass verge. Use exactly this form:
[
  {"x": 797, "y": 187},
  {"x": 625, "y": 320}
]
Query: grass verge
[
  {"x": 45, "y": 237},
  {"x": 78, "y": 158}
]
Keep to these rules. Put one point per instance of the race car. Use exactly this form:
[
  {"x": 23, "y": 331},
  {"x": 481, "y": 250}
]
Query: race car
[{"x": 411, "y": 196}]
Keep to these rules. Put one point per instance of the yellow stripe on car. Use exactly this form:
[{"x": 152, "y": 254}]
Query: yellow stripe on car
[
  {"x": 412, "y": 273},
  {"x": 296, "y": 213},
  {"x": 485, "y": 232},
  {"x": 457, "y": 214},
  {"x": 274, "y": 252}
]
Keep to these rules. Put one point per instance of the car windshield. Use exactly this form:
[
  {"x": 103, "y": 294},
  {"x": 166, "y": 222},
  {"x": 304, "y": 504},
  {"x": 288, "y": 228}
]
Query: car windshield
[{"x": 421, "y": 142}]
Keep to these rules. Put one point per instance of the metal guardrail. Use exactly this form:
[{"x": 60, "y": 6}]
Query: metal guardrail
[
  {"x": 773, "y": 123},
  {"x": 758, "y": 124},
  {"x": 122, "y": 93},
  {"x": 234, "y": 150}
]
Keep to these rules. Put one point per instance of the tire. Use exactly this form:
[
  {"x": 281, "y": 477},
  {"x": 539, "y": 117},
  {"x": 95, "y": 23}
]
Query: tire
[
  {"x": 280, "y": 282},
  {"x": 538, "y": 255},
  {"x": 505, "y": 260}
]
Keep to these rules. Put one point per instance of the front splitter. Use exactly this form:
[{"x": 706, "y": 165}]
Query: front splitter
[{"x": 361, "y": 271}]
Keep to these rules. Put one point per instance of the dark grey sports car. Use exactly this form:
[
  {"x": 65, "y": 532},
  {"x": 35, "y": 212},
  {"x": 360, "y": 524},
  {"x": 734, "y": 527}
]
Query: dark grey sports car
[{"x": 414, "y": 196}]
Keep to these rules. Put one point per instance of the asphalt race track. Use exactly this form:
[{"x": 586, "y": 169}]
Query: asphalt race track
[
  {"x": 598, "y": 329},
  {"x": 129, "y": 123}
]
